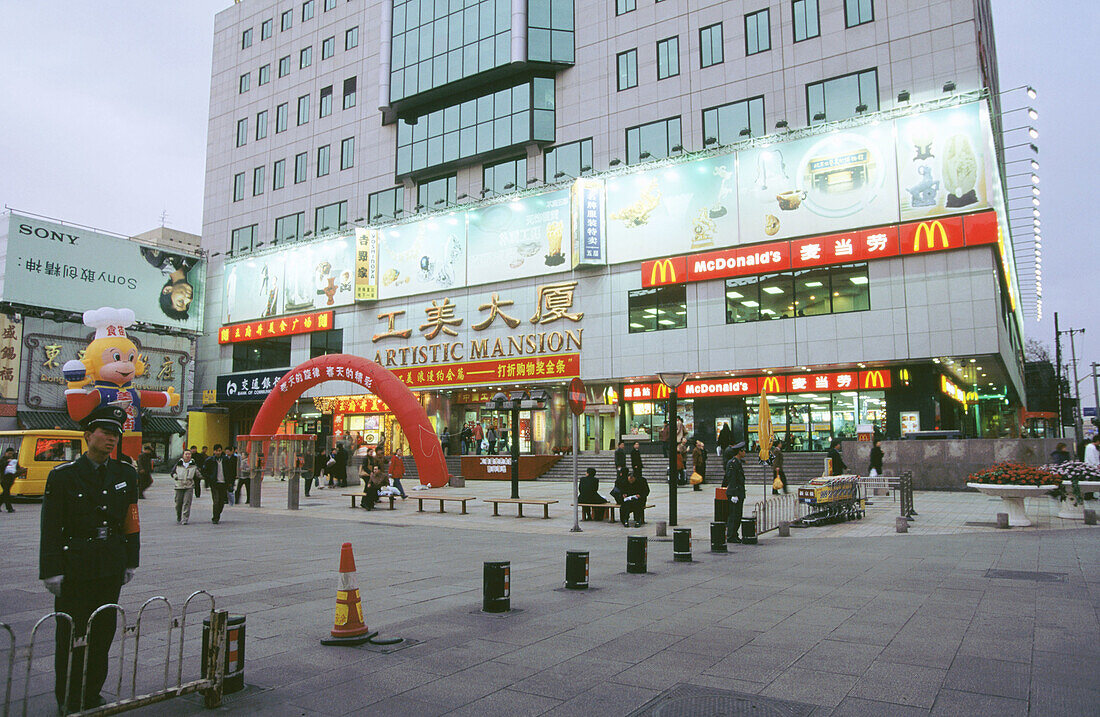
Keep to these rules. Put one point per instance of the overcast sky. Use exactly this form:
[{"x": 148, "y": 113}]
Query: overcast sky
[{"x": 103, "y": 123}]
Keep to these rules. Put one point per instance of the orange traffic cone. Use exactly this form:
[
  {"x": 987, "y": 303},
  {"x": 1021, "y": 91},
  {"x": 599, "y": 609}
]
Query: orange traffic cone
[{"x": 348, "y": 627}]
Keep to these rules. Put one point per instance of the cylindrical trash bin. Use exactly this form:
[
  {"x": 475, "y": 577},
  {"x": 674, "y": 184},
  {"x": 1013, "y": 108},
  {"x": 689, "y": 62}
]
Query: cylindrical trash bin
[
  {"x": 681, "y": 545},
  {"x": 721, "y": 506},
  {"x": 636, "y": 559},
  {"x": 748, "y": 531},
  {"x": 576, "y": 569},
  {"x": 496, "y": 587},
  {"x": 234, "y": 652},
  {"x": 718, "y": 538}
]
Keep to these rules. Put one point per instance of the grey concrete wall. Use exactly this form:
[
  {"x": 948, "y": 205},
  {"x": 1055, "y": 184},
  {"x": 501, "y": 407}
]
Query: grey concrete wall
[{"x": 945, "y": 464}]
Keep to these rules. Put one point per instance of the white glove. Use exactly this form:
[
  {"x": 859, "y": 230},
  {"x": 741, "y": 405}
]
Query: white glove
[
  {"x": 735, "y": 499},
  {"x": 128, "y": 575},
  {"x": 54, "y": 584}
]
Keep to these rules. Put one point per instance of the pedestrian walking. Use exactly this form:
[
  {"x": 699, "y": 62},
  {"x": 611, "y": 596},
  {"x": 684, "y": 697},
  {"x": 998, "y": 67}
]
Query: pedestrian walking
[
  {"x": 479, "y": 437},
  {"x": 491, "y": 437},
  {"x": 699, "y": 465},
  {"x": 1057, "y": 456},
  {"x": 466, "y": 435},
  {"x": 219, "y": 473},
  {"x": 636, "y": 460},
  {"x": 145, "y": 469},
  {"x": 397, "y": 472},
  {"x": 90, "y": 542},
  {"x": 779, "y": 477},
  {"x": 734, "y": 483},
  {"x": 620, "y": 458},
  {"x": 243, "y": 470},
  {"x": 836, "y": 461},
  {"x": 725, "y": 439},
  {"x": 185, "y": 474},
  {"x": 662, "y": 437},
  {"x": 445, "y": 441},
  {"x": 1092, "y": 451},
  {"x": 875, "y": 467},
  {"x": 9, "y": 471}
]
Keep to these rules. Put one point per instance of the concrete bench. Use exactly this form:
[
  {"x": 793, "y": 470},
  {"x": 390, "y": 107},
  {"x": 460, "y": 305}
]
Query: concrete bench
[
  {"x": 520, "y": 502},
  {"x": 463, "y": 499},
  {"x": 610, "y": 508},
  {"x": 364, "y": 495}
]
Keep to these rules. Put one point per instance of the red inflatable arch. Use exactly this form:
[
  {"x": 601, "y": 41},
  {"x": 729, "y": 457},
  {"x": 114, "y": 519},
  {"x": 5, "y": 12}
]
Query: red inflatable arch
[{"x": 423, "y": 443}]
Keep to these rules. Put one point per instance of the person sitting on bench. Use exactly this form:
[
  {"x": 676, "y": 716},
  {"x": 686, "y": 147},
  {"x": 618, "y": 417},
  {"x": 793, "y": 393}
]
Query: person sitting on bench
[
  {"x": 374, "y": 485},
  {"x": 589, "y": 493},
  {"x": 634, "y": 490}
]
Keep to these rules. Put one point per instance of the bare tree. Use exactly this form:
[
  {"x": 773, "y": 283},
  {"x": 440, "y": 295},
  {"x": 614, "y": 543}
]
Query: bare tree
[{"x": 1036, "y": 350}]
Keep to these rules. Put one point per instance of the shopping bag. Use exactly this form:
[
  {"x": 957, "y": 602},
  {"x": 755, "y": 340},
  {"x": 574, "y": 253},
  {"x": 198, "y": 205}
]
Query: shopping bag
[
  {"x": 696, "y": 479},
  {"x": 777, "y": 484}
]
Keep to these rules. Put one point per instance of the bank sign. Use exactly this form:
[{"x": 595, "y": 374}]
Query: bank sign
[
  {"x": 59, "y": 266},
  {"x": 252, "y": 386}
]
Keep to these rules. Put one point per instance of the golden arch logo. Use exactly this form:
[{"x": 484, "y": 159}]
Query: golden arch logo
[
  {"x": 663, "y": 272},
  {"x": 930, "y": 231},
  {"x": 771, "y": 385},
  {"x": 874, "y": 379}
]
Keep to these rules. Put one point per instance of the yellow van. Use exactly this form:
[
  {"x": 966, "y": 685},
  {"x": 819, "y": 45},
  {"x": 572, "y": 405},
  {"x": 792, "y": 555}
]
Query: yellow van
[{"x": 38, "y": 452}]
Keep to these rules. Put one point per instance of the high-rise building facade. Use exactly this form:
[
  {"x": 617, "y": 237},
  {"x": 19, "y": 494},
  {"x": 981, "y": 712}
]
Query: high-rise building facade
[{"x": 426, "y": 169}]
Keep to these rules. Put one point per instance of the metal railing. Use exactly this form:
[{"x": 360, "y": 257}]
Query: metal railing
[
  {"x": 770, "y": 512},
  {"x": 209, "y": 683},
  {"x": 905, "y": 488}
]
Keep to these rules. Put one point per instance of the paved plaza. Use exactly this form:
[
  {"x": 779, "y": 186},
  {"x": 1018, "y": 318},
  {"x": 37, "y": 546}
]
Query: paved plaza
[{"x": 954, "y": 617}]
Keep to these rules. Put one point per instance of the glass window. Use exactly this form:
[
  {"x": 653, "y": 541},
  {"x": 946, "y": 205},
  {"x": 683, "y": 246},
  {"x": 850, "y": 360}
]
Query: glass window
[
  {"x": 349, "y": 93},
  {"x": 503, "y": 177},
  {"x": 857, "y": 12},
  {"x": 303, "y": 110},
  {"x": 550, "y": 30},
  {"x": 872, "y": 408},
  {"x": 776, "y": 297},
  {"x": 812, "y": 292},
  {"x": 307, "y": 10},
  {"x": 305, "y": 57},
  {"x": 330, "y": 218},
  {"x": 265, "y": 74},
  {"x": 262, "y": 354},
  {"x": 322, "y": 160},
  {"x": 387, "y": 204},
  {"x": 805, "y": 20},
  {"x": 244, "y": 82},
  {"x": 742, "y": 300},
  {"x": 850, "y": 288},
  {"x": 278, "y": 174},
  {"x": 242, "y": 132},
  {"x": 351, "y": 38},
  {"x": 328, "y": 48},
  {"x": 844, "y": 414},
  {"x": 261, "y": 124},
  {"x": 286, "y": 20},
  {"x": 347, "y": 153},
  {"x": 284, "y": 66},
  {"x": 624, "y": 6},
  {"x": 653, "y": 141},
  {"x": 290, "y": 228},
  {"x": 329, "y": 5},
  {"x": 243, "y": 240},
  {"x": 326, "y": 102},
  {"x": 710, "y": 45},
  {"x": 568, "y": 161},
  {"x": 840, "y": 97},
  {"x": 265, "y": 28},
  {"x": 301, "y": 166},
  {"x": 258, "y": 180},
  {"x": 238, "y": 187},
  {"x": 281, "y": 118},
  {"x": 758, "y": 34},
  {"x": 246, "y": 39},
  {"x": 627, "y": 63},
  {"x": 723, "y": 124},
  {"x": 436, "y": 193},
  {"x": 322, "y": 343},
  {"x": 657, "y": 309},
  {"x": 668, "y": 58}
]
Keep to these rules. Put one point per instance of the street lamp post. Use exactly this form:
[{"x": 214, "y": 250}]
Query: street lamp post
[{"x": 672, "y": 379}]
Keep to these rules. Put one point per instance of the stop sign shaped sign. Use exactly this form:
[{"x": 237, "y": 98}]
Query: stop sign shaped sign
[{"x": 577, "y": 398}]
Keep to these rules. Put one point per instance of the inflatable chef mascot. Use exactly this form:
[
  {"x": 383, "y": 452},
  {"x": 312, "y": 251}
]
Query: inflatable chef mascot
[{"x": 106, "y": 373}]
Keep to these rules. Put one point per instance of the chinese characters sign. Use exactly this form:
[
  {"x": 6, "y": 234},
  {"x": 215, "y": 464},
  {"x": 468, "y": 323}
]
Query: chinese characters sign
[
  {"x": 588, "y": 223},
  {"x": 871, "y": 380},
  {"x": 522, "y": 370},
  {"x": 366, "y": 264},
  {"x": 11, "y": 338},
  {"x": 253, "y": 386},
  {"x": 273, "y": 328}
]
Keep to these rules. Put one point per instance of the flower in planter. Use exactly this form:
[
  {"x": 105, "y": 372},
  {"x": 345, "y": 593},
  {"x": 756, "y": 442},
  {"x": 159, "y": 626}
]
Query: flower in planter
[
  {"x": 1074, "y": 471},
  {"x": 1015, "y": 474}
]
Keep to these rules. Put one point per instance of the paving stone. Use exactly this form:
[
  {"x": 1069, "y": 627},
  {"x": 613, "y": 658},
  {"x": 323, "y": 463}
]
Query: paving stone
[
  {"x": 952, "y": 703},
  {"x": 989, "y": 676},
  {"x": 839, "y": 657},
  {"x": 902, "y": 684},
  {"x": 811, "y": 686}
]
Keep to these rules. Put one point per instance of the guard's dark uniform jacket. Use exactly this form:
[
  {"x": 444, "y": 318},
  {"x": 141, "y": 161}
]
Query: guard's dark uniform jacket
[{"x": 90, "y": 527}]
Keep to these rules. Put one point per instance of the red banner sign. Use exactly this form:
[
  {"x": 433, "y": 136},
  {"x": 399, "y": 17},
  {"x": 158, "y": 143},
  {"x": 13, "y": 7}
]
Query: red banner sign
[
  {"x": 751, "y": 385},
  {"x": 931, "y": 235},
  {"x": 359, "y": 404},
  {"x": 274, "y": 328},
  {"x": 512, "y": 370}
]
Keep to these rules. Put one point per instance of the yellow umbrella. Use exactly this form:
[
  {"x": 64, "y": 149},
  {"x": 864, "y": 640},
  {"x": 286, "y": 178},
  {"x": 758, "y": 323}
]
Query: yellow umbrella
[{"x": 764, "y": 431}]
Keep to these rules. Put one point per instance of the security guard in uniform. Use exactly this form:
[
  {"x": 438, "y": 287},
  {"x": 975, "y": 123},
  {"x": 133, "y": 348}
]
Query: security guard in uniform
[
  {"x": 89, "y": 550},
  {"x": 734, "y": 482}
]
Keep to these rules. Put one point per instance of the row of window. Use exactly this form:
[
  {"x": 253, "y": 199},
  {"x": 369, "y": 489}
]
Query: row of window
[
  {"x": 282, "y": 112},
  {"x": 265, "y": 354},
  {"x": 301, "y": 169},
  {"x": 828, "y": 290},
  {"x": 291, "y": 228},
  {"x": 856, "y": 12},
  {"x": 305, "y": 59},
  {"x": 286, "y": 21}
]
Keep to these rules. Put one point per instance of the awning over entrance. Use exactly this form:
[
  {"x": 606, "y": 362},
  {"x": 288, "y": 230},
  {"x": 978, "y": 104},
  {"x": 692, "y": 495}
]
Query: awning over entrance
[
  {"x": 160, "y": 424},
  {"x": 46, "y": 420}
]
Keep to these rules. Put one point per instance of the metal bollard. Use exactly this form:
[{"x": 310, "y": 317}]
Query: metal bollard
[
  {"x": 255, "y": 490},
  {"x": 681, "y": 545},
  {"x": 1002, "y": 520},
  {"x": 662, "y": 528},
  {"x": 718, "y": 538},
  {"x": 748, "y": 531},
  {"x": 292, "y": 493},
  {"x": 721, "y": 505},
  {"x": 636, "y": 553},
  {"x": 576, "y": 569},
  {"x": 496, "y": 587},
  {"x": 901, "y": 524},
  {"x": 233, "y": 649},
  {"x": 784, "y": 529},
  {"x": 1090, "y": 516}
]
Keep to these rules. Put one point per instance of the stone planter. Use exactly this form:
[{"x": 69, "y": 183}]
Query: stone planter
[
  {"x": 1013, "y": 498},
  {"x": 1067, "y": 510}
]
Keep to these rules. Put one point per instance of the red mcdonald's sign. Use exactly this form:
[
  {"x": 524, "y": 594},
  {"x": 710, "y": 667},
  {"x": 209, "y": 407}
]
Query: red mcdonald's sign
[
  {"x": 932, "y": 235},
  {"x": 664, "y": 271}
]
